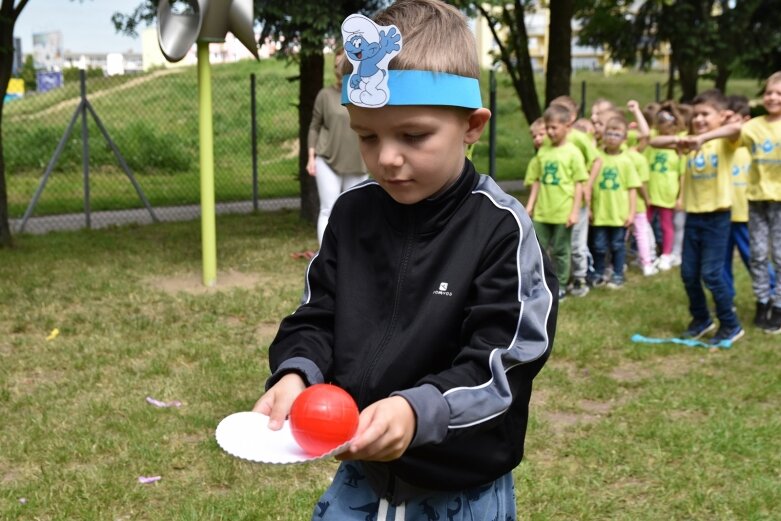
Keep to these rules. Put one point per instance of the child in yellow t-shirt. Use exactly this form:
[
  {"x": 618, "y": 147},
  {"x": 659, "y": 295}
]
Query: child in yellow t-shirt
[
  {"x": 739, "y": 234},
  {"x": 706, "y": 196},
  {"x": 612, "y": 204},
  {"x": 762, "y": 137},
  {"x": 556, "y": 176}
]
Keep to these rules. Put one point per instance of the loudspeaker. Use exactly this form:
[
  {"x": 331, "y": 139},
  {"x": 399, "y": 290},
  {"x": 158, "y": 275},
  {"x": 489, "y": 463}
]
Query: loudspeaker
[{"x": 181, "y": 23}]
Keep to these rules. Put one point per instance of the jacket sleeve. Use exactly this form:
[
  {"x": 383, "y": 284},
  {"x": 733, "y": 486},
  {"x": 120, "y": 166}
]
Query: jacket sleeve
[
  {"x": 304, "y": 342},
  {"x": 507, "y": 335}
]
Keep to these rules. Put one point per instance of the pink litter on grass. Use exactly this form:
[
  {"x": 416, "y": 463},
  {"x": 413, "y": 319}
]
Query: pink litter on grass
[
  {"x": 158, "y": 403},
  {"x": 149, "y": 479},
  {"x": 22, "y": 500}
]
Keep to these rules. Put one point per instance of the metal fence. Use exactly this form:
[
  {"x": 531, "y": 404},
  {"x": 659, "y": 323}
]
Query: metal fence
[{"x": 131, "y": 144}]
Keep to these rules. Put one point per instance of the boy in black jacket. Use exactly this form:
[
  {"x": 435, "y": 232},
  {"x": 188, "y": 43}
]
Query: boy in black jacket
[{"x": 430, "y": 300}]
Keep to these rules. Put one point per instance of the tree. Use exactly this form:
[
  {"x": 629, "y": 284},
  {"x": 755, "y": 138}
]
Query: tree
[
  {"x": 9, "y": 13},
  {"x": 559, "y": 70},
  {"x": 302, "y": 28},
  {"x": 635, "y": 33},
  {"x": 506, "y": 22}
]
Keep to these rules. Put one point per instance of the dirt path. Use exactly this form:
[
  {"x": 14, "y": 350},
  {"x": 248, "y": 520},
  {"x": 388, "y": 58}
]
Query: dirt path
[{"x": 97, "y": 95}]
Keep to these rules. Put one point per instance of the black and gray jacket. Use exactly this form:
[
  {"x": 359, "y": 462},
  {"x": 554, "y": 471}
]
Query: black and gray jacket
[{"x": 450, "y": 303}]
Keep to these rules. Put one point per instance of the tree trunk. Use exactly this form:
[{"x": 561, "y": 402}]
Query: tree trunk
[
  {"x": 310, "y": 83},
  {"x": 671, "y": 80},
  {"x": 688, "y": 73},
  {"x": 523, "y": 80},
  {"x": 722, "y": 75},
  {"x": 6, "y": 61},
  {"x": 559, "y": 72}
]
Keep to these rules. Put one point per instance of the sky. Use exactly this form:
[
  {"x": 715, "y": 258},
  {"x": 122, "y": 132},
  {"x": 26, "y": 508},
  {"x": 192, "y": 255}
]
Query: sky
[{"x": 85, "y": 25}]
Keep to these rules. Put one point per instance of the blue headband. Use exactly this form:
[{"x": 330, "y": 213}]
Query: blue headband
[{"x": 408, "y": 87}]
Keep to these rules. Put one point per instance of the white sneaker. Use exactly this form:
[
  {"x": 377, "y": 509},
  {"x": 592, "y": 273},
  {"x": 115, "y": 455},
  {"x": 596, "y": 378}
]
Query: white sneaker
[
  {"x": 649, "y": 270},
  {"x": 665, "y": 263},
  {"x": 675, "y": 260}
]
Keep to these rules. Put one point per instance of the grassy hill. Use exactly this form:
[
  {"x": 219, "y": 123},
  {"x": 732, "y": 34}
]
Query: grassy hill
[{"x": 153, "y": 119}]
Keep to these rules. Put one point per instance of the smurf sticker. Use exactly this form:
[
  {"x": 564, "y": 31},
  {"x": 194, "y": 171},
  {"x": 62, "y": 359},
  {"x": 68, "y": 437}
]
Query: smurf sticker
[{"x": 369, "y": 48}]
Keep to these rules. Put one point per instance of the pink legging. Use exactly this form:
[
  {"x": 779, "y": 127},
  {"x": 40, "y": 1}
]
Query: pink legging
[
  {"x": 668, "y": 229},
  {"x": 643, "y": 236}
]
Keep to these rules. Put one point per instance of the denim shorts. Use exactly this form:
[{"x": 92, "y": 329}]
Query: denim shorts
[{"x": 351, "y": 498}]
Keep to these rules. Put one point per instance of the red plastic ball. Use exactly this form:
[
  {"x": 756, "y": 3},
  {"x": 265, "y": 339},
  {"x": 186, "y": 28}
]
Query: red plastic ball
[{"x": 323, "y": 417}]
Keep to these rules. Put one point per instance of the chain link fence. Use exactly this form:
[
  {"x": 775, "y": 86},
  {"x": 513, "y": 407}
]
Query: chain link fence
[{"x": 140, "y": 134}]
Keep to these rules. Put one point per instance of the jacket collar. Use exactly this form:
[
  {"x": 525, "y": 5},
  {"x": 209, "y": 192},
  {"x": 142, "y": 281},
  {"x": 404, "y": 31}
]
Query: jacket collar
[{"x": 430, "y": 215}]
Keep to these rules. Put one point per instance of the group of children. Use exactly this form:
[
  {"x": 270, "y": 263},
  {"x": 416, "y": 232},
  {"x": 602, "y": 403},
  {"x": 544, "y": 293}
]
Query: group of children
[{"x": 687, "y": 183}]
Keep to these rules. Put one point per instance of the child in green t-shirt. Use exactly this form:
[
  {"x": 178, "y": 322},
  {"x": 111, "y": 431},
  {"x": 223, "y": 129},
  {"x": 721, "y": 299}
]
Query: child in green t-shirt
[
  {"x": 587, "y": 146},
  {"x": 538, "y": 133},
  {"x": 613, "y": 192},
  {"x": 556, "y": 176},
  {"x": 666, "y": 167}
]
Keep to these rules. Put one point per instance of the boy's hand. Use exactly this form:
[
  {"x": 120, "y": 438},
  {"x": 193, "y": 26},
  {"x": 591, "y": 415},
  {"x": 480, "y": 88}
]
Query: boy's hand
[
  {"x": 530, "y": 210},
  {"x": 385, "y": 430},
  {"x": 629, "y": 221},
  {"x": 633, "y": 106},
  {"x": 278, "y": 400},
  {"x": 679, "y": 204}
]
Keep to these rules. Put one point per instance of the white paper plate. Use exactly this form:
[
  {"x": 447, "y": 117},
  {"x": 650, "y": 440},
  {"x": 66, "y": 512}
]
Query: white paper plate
[{"x": 246, "y": 435}]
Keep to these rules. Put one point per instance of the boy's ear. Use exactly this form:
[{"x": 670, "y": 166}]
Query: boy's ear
[{"x": 476, "y": 124}]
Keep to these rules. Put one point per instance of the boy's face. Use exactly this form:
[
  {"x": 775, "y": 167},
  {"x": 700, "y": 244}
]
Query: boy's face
[
  {"x": 557, "y": 131},
  {"x": 414, "y": 152},
  {"x": 613, "y": 137},
  {"x": 538, "y": 133},
  {"x": 772, "y": 98},
  {"x": 706, "y": 117}
]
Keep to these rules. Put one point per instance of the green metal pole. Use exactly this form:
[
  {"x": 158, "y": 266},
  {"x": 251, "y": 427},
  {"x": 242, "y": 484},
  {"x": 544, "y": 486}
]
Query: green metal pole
[{"x": 208, "y": 224}]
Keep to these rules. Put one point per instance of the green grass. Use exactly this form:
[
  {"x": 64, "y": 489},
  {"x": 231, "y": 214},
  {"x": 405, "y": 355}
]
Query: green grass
[
  {"x": 617, "y": 430},
  {"x": 153, "y": 118}
]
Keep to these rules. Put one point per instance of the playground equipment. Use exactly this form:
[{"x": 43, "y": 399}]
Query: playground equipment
[{"x": 180, "y": 24}]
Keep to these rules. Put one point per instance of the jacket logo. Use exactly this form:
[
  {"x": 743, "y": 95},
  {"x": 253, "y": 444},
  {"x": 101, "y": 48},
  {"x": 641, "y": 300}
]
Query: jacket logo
[{"x": 443, "y": 290}]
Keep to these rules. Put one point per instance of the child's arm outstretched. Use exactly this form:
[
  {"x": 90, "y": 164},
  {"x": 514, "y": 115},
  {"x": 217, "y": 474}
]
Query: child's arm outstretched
[{"x": 730, "y": 131}]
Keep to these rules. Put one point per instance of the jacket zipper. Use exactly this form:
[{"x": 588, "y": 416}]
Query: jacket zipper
[{"x": 394, "y": 315}]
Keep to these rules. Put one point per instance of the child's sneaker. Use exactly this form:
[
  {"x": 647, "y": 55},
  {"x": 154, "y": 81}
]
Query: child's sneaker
[
  {"x": 773, "y": 324},
  {"x": 597, "y": 282},
  {"x": 761, "y": 316},
  {"x": 698, "y": 328},
  {"x": 562, "y": 294},
  {"x": 664, "y": 263},
  {"x": 615, "y": 283},
  {"x": 579, "y": 288},
  {"x": 675, "y": 260},
  {"x": 649, "y": 270},
  {"x": 727, "y": 336}
]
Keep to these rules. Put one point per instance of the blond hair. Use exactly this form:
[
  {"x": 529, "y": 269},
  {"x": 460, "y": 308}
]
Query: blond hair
[
  {"x": 773, "y": 78},
  {"x": 435, "y": 37},
  {"x": 567, "y": 102},
  {"x": 557, "y": 113}
]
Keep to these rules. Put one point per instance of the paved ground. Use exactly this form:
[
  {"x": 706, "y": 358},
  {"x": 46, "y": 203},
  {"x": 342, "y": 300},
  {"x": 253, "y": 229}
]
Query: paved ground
[{"x": 40, "y": 225}]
